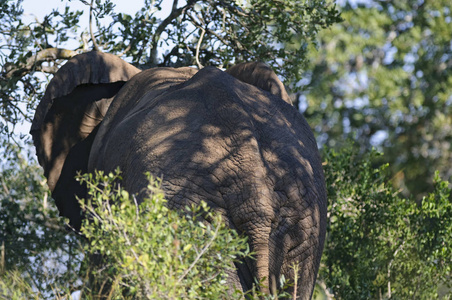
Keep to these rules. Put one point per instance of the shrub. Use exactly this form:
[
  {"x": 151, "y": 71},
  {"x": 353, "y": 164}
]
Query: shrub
[
  {"x": 152, "y": 252},
  {"x": 379, "y": 243}
]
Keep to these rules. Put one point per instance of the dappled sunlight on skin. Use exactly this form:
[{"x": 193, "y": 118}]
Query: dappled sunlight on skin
[
  {"x": 243, "y": 150},
  {"x": 248, "y": 154}
]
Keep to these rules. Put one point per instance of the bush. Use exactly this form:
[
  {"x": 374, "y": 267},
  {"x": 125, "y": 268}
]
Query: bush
[
  {"x": 380, "y": 244},
  {"x": 35, "y": 248},
  {"x": 151, "y": 252},
  {"x": 135, "y": 251}
]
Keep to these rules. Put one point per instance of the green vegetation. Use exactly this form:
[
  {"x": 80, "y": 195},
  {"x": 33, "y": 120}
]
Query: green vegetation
[
  {"x": 151, "y": 252},
  {"x": 135, "y": 251},
  {"x": 383, "y": 76},
  {"x": 34, "y": 246},
  {"x": 379, "y": 243}
]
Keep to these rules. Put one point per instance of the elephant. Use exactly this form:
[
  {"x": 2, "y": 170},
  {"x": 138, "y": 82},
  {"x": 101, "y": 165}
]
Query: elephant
[{"x": 230, "y": 138}]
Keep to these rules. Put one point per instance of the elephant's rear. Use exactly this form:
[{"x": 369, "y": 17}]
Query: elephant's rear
[
  {"x": 294, "y": 176},
  {"x": 247, "y": 153}
]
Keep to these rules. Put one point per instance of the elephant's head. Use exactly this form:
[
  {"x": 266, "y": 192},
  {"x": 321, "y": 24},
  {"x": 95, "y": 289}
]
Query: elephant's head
[{"x": 74, "y": 103}]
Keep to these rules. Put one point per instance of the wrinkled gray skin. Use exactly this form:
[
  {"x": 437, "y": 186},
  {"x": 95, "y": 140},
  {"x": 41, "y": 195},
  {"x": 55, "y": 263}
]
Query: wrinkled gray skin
[{"x": 231, "y": 139}]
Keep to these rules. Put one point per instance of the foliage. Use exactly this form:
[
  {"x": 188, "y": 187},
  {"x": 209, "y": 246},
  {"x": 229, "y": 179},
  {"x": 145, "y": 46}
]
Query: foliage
[
  {"x": 33, "y": 239},
  {"x": 164, "y": 254},
  {"x": 140, "y": 250},
  {"x": 219, "y": 32},
  {"x": 151, "y": 252},
  {"x": 195, "y": 32},
  {"x": 384, "y": 76},
  {"x": 378, "y": 242},
  {"x": 14, "y": 287}
]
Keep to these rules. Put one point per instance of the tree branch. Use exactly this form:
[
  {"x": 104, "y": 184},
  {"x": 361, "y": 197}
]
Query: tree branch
[
  {"x": 95, "y": 46},
  {"x": 220, "y": 38},
  {"x": 49, "y": 54},
  {"x": 198, "y": 257},
  {"x": 175, "y": 12},
  {"x": 167, "y": 57},
  {"x": 200, "y": 66}
]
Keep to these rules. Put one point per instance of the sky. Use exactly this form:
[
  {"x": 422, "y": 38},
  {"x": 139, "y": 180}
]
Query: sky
[{"x": 36, "y": 8}]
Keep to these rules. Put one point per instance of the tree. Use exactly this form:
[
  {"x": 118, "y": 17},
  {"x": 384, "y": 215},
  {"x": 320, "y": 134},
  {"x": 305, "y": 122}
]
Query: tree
[
  {"x": 381, "y": 245},
  {"x": 35, "y": 247},
  {"x": 384, "y": 76},
  {"x": 196, "y": 32}
]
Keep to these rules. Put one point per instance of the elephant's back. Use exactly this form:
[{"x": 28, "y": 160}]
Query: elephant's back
[
  {"x": 208, "y": 114},
  {"x": 213, "y": 138},
  {"x": 247, "y": 153},
  {"x": 152, "y": 82}
]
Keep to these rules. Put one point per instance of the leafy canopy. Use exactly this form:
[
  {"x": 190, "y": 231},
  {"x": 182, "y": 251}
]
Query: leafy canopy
[
  {"x": 379, "y": 242},
  {"x": 384, "y": 77},
  {"x": 194, "y": 33}
]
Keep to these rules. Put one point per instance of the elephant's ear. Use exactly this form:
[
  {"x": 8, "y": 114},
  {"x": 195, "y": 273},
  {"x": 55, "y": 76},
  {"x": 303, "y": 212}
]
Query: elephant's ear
[
  {"x": 74, "y": 103},
  {"x": 261, "y": 76}
]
